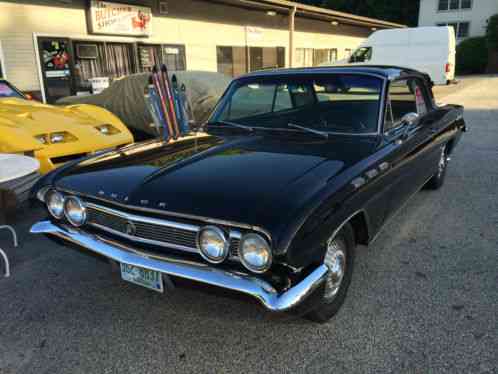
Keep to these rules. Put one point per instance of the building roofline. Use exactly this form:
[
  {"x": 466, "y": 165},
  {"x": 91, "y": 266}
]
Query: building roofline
[{"x": 314, "y": 12}]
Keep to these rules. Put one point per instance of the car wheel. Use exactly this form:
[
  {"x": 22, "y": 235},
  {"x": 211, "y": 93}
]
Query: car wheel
[
  {"x": 339, "y": 258},
  {"x": 438, "y": 179}
]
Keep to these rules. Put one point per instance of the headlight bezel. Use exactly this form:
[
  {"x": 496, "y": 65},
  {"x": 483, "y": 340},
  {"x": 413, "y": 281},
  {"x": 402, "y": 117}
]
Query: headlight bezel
[
  {"x": 83, "y": 212},
  {"x": 222, "y": 235},
  {"x": 47, "y": 196},
  {"x": 248, "y": 265},
  {"x": 111, "y": 130}
]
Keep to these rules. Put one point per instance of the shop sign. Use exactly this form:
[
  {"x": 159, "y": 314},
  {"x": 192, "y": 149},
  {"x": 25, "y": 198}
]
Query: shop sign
[
  {"x": 119, "y": 19},
  {"x": 254, "y": 34}
]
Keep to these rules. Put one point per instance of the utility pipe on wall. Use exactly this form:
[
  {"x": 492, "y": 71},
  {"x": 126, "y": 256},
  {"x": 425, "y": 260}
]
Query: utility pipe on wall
[{"x": 292, "y": 16}]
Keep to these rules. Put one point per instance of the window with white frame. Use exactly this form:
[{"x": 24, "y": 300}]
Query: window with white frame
[
  {"x": 314, "y": 57},
  {"x": 451, "y": 5},
  {"x": 461, "y": 28}
]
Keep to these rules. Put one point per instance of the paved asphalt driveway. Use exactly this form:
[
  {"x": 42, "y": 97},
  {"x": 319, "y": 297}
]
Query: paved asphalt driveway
[{"x": 423, "y": 297}]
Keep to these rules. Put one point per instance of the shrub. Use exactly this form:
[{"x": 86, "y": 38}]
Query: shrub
[
  {"x": 492, "y": 32},
  {"x": 472, "y": 56}
]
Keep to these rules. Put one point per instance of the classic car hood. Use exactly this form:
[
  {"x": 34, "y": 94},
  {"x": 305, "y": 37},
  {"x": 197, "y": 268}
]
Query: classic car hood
[
  {"x": 37, "y": 118},
  {"x": 250, "y": 179}
]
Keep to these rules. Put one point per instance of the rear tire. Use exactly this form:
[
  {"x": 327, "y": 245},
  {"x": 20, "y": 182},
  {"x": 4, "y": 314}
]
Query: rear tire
[
  {"x": 339, "y": 257},
  {"x": 438, "y": 179}
]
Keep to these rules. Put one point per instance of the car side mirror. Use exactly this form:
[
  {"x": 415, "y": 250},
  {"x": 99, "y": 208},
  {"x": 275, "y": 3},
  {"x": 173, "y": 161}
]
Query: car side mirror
[{"x": 410, "y": 118}]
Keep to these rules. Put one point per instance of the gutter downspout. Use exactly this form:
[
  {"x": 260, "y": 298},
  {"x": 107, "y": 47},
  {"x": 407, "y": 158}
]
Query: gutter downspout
[{"x": 292, "y": 16}]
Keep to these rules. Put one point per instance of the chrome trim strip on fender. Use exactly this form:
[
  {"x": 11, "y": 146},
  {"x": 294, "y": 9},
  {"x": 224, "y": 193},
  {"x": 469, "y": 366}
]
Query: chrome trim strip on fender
[{"x": 263, "y": 291}]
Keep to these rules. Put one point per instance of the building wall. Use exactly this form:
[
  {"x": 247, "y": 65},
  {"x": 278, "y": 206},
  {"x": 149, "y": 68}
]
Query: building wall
[
  {"x": 200, "y": 25},
  {"x": 477, "y": 16}
]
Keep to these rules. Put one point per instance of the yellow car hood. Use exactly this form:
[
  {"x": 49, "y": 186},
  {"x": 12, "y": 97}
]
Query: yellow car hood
[
  {"x": 22, "y": 120},
  {"x": 37, "y": 118}
]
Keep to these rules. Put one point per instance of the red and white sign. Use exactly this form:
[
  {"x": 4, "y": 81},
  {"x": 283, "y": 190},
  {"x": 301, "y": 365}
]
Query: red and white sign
[{"x": 119, "y": 19}]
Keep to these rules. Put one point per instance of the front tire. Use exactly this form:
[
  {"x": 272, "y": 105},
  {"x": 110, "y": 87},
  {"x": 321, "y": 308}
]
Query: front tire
[
  {"x": 339, "y": 258},
  {"x": 438, "y": 179}
]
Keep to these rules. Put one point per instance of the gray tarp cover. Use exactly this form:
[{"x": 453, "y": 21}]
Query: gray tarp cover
[{"x": 125, "y": 97}]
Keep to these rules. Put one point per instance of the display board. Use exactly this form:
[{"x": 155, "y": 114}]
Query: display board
[{"x": 111, "y": 18}]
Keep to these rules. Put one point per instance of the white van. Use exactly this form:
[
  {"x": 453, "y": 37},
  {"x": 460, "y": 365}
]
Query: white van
[{"x": 430, "y": 50}]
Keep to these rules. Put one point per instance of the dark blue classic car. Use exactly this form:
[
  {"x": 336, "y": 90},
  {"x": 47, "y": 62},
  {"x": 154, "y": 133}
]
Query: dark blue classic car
[{"x": 297, "y": 168}]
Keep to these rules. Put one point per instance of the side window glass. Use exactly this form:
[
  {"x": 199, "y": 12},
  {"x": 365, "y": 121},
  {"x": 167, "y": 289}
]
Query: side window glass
[
  {"x": 282, "y": 98},
  {"x": 405, "y": 96},
  {"x": 302, "y": 95}
]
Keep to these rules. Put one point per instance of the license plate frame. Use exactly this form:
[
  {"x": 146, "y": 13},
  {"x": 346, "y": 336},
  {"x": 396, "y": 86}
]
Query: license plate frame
[{"x": 150, "y": 279}]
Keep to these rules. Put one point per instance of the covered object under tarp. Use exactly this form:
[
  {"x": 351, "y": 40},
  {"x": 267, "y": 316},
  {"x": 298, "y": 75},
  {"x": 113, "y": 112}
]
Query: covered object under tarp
[{"x": 125, "y": 98}]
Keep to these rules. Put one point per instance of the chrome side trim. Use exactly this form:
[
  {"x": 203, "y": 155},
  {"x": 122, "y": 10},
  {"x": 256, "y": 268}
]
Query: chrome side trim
[
  {"x": 172, "y": 214},
  {"x": 261, "y": 290}
]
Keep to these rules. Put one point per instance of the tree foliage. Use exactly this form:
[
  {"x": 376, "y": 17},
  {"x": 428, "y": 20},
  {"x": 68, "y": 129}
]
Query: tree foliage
[
  {"x": 399, "y": 11},
  {"x": 472, "y": 56},
  {"x": 492, "y": 32}
]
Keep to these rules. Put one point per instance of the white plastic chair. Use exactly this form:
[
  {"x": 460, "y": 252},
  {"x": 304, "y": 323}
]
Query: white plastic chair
[{"x": 3, "y": 254}]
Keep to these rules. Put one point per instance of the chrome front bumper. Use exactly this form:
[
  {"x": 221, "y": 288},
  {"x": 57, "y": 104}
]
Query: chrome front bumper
[{"x": 203, "y": 273}]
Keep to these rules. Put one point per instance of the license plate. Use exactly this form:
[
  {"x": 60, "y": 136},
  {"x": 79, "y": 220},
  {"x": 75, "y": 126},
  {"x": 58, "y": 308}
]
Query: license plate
[{"x": 143, "y": 277}]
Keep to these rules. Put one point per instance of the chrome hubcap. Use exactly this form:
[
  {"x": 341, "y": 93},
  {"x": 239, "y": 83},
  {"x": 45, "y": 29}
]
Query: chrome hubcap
[
  {"x": 442, "y": 162},
  {"x": 335, "y": 260}
]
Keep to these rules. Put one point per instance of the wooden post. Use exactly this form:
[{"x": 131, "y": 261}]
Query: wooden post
[{"x": 292, "y": 16}]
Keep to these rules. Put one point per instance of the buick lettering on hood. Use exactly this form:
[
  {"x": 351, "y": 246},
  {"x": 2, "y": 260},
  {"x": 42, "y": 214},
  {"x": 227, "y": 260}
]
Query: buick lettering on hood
[{"x": 294, "y": 170}]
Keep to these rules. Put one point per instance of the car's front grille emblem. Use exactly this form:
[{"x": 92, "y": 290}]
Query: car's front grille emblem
[{"x": 130, "y": 228}]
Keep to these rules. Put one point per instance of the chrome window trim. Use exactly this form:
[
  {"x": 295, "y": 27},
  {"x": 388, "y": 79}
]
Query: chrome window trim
[
  {"x": 380, "y": 116},
  {"x": 173, "y": 214}
]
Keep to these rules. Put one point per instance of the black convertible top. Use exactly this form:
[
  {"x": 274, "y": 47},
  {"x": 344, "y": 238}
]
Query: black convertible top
[{"x": 385, "y": 71}]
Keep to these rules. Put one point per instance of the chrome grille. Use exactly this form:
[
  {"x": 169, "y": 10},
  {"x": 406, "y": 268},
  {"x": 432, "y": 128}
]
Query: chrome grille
[
  {"x": 234, "y": 247},
  {"x": 160, "y": 232},
  {"x": 166, "y": 234}
]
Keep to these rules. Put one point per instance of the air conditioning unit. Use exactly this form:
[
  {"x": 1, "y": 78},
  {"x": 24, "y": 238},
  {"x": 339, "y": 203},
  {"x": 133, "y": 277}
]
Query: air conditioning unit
[
  {"x": 87, "y": 51},
  {"x": 163, "y": 8}
]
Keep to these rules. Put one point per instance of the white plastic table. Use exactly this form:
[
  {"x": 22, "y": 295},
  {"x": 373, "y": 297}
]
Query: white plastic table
[{"x": 13, "y": 167}]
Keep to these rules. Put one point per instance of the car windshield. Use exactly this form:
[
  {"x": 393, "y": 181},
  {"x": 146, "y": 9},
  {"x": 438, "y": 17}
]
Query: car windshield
[
  {"x": 332, "y": 103},
  {"x": 6, "y": 90}
]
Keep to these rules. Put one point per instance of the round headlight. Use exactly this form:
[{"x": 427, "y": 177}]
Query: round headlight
[
  {"x": 55, "y": 203},
  {"x": 75, "y": 211},
  {"x": 212, "y": 244},
  {"x": 255, "y": 253}
]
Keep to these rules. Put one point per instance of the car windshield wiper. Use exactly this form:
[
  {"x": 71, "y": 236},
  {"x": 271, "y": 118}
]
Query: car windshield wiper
[
  {"x": 233, "y": 124},
  {"x": 313, "y": 131}
]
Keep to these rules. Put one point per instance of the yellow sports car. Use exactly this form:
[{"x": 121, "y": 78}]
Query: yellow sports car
[{"x": 55, "y": 135}]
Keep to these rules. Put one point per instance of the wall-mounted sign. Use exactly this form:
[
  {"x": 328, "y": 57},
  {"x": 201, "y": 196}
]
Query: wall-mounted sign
[
  {"x": 254, "y": 34},
  {"x": 55, "y": 58},
  {"x": 119, "y": 19}
]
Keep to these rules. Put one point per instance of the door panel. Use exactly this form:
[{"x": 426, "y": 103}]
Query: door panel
[{"x": 414, "y": 155}]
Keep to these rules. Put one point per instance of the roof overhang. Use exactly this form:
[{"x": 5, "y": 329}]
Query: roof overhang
[{"x": 308, "y": 11}]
